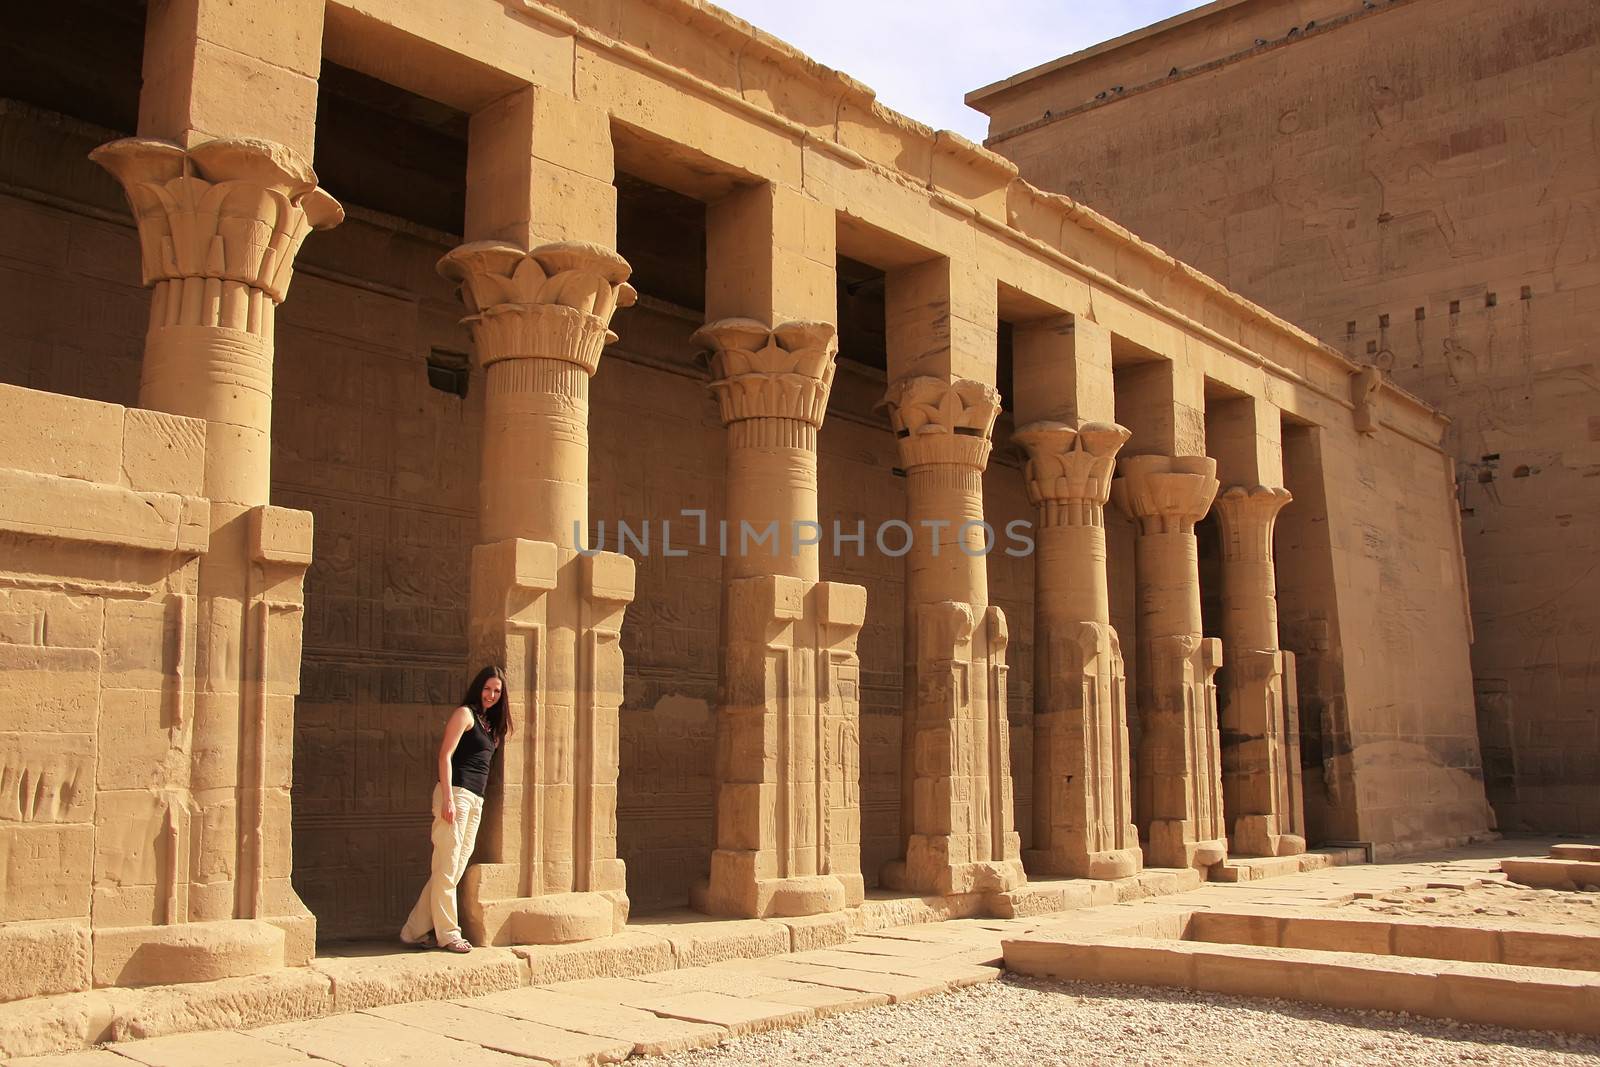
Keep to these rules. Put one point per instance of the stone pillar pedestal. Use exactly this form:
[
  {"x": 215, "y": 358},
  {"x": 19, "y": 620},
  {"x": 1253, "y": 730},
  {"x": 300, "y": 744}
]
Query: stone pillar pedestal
[
  {"x": 956, "y": 797},
  {"x": 1083, "y": 809},
  {"x": 1180, "y": 770},
  {"x": 1259, "y": 718},
  {"x": 220, "y": 224},
  {"x": 550, "y": 613},
  {"x": 788, "y": 731}
]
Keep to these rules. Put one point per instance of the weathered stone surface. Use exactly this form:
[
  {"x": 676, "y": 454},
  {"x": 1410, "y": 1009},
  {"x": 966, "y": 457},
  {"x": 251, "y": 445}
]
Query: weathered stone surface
[
  {"x": 360, "y": 1040},
  {"x": 369, "y": 981},
  {"x": 699, "y": 942},
  {"x": 44, "y": 958},
  {"x": 207, "y": 1050},
  {"x": 515, "y": 1036},
  {"x": 231, "y": 1004},
  {"x": 1241, "y": 81},
  {"x": 630, "y": 952},
  {"x": 252, "y": 594},
  {"x": 649, "y": 1034}
]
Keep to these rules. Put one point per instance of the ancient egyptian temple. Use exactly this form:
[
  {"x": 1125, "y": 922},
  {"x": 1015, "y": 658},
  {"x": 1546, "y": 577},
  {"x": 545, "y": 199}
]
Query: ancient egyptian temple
[{"x": 856, "y": 522}]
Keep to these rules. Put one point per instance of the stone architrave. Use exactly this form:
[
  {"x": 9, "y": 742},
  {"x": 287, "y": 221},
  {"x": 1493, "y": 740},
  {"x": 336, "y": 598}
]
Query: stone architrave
[
  {"x": 1180, "y": 769},
  {"x": 1083, "y": 805},
  {"x": 956, "y": 796},
  {"x": 540, "y": 604},
  {"x": 788, "y": 738},
  {"x": 219, "y": 225},
  {"x": 1259, "y": 718}
]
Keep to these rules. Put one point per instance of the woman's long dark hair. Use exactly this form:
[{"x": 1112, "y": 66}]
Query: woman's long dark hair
[{"x": 499, "y": 715}]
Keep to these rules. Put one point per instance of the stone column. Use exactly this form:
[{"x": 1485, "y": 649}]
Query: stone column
[
  {"x": 788, "y": 763},
  {"x": 1259, "y": 718},
  {"x": 1083, "y": 809},
  {"x": 956, "y": 806},
  {"x": 547, "y": 611},
  {"x": 1180, "y": 771},
  {"x": 219, "y": 226}
]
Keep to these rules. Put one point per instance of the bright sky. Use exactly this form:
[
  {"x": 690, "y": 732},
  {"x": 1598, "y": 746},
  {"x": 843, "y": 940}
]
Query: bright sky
[{"x": 922, "y": 56}]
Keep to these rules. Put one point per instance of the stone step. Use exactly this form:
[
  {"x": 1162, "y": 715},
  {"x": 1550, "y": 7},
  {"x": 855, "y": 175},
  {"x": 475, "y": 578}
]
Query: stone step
[
  {"x": 1540, "y": 998},
  {"x": 1573, "y": 851},
  {"x": 1552, "y": 873},
  {"x": 1255, "y": 868}
]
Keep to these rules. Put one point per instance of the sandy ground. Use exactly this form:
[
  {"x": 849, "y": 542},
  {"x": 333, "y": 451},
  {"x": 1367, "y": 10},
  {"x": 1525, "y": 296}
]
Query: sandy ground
[
  {"x": 1492, "y": 900},
  {"x": 1027, "y": 1021}
]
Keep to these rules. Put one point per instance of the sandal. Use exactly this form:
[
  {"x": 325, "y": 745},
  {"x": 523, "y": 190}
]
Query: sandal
[
  {"x": 460, "y": 944},
  {"x": 425, "y": 941}
]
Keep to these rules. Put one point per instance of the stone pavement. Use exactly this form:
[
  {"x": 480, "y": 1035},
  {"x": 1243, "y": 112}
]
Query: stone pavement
[{"x": 605, "y": 1020}]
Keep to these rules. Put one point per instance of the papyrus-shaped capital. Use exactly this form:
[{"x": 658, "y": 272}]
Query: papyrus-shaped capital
[
  {"x": 233, "y": 210},
  {"x": 941, "y": 421},
  {"x": 1070, "y": 469},
  {"x": 1165, "y": 494},
  {"x": 781, "y": 372},
  {"x": 1248, "y": 517},
  {"x": 552, "y": 302}
]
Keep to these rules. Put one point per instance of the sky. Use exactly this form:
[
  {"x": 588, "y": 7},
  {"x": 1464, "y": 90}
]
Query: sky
[{"x": 923, "y": 56}]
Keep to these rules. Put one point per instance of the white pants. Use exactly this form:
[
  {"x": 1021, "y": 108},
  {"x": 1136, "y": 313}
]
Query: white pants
[{"x": 452, "y": 848}]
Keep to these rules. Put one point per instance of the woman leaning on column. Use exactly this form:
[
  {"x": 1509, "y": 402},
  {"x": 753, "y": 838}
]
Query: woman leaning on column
[{"x": 471, "y": 735}]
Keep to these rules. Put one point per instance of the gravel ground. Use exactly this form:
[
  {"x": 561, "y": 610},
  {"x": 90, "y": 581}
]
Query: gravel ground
[
  {"x": 1500, "y": 899},
  {"x": 1027, "y": 1022}
]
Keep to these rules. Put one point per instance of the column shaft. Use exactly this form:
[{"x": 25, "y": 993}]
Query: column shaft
[
  {"x": 220, "y": 224},
  {"x": 956, "y": 799},
  {"x": 1083, "y": 824},
  {"x": 1259, "y": 723},
  {"x": 1180, "y": 773},
  {"x": 550, "y": 613},
  {"x": 788, "y": 810}
]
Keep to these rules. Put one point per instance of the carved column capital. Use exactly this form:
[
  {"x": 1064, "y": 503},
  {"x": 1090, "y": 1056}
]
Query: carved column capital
[
  {"x": 1248, "y": 517},
  {"x": 1070, "y": 468},
  {"x": 778, "y": 372},
  {"x": 1165, "y": 494},
  {"x": 938, "y": 421},
  {"x": 218, "y": 224},
  {"x": 552, "y": 302}
]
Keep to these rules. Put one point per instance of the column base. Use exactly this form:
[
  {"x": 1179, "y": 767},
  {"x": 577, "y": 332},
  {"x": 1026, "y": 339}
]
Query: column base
[
  {"x": 192, "y": 952},
  {"x": 1170, "y": 845},
  {"x": 1255, "y": 835},
  {"x": 732, "y": 891},
  {"x": 1108, "y": 865},
  {"x": 487, "y": 918},
  {"x": 951, "y": 879}
]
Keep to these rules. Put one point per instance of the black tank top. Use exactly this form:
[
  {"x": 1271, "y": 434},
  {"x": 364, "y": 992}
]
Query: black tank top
[{"x": 469, "y": 763}]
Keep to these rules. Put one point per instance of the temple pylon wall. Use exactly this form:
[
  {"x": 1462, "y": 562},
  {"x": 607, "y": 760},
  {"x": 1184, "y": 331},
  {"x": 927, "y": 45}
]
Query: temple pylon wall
[{"x": 765, "y": 733}]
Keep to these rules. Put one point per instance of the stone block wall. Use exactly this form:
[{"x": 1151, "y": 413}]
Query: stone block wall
[
  {"x": 1416, "y": 183},
  {"x": 101, "y": 530}
]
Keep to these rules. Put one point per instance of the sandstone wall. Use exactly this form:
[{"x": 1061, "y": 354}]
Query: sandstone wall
[
  {"x": 387, "y": 465},
  {"x": 101, "y": 531},
  {"x": 1418, "y": 185}
]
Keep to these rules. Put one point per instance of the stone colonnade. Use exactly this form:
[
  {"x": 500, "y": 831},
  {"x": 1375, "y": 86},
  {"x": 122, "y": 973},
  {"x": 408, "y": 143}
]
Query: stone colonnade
[{"x": 220, "y": 222}]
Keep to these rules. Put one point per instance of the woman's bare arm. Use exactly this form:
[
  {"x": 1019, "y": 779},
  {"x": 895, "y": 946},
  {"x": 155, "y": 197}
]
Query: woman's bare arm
[{"x": 459, "y": 723}]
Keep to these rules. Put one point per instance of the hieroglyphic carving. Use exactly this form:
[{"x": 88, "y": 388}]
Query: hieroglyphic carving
[
  {"x": 1180, "y": 771},
  {"x": 1082, "y": 792},
  {"x": 956, "y": 813},
  {"x": 1260, "y": 783},
  {"x": 540, "y": 319}
]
